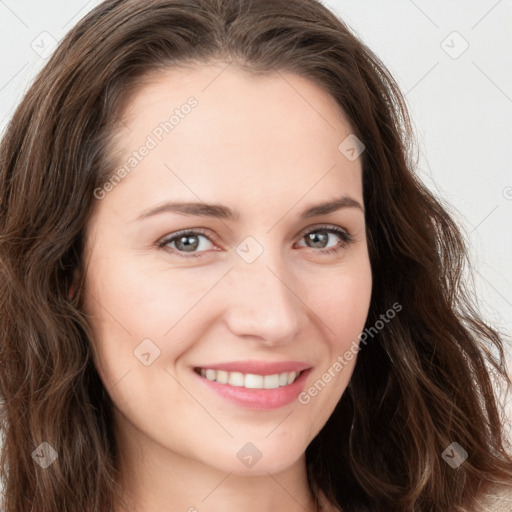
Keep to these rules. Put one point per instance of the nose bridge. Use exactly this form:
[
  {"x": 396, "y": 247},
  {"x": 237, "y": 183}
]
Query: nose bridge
[{"x": 261, "y": 300}]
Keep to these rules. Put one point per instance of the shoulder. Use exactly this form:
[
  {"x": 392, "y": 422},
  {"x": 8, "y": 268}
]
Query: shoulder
[{"x": 497, "y": 499}]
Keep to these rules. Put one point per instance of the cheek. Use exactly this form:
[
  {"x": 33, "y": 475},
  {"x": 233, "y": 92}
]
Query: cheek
[
  {"x": 341, "y": 299},
  {"x": 142, "y": 302},
  {"x": 341, "y": 306},
  {"x": 349, "y": 309},
  {"x": 130, "y": 303}
]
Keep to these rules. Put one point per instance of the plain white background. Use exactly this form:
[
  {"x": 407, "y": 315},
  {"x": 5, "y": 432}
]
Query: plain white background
[{"x": 454, "y": 65}]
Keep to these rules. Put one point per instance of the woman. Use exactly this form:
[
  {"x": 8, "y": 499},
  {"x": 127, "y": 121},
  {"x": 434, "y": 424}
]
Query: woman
[{"x": 224, "y": 287}]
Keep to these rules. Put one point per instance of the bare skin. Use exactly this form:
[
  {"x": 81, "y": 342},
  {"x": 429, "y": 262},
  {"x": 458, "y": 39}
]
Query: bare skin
[{"x": 267, "y": 147}]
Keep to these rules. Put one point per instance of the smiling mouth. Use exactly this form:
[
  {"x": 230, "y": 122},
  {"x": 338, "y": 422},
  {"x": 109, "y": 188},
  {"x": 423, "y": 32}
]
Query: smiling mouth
[{"x": 249, "y": 380}]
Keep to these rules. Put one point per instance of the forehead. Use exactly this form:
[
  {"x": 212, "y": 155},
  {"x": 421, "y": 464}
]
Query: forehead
[{"x": 220, "y": 134}]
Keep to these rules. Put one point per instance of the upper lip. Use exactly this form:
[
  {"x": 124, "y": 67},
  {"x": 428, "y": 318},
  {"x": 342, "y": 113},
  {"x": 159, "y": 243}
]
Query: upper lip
[{"x": 259, "y": 367}]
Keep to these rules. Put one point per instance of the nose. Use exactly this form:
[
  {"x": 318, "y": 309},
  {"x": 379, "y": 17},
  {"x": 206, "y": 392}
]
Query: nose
[{"x": 262, "y": 303}]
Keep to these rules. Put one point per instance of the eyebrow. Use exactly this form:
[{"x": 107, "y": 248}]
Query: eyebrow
[{"x": 220, "y": 211}]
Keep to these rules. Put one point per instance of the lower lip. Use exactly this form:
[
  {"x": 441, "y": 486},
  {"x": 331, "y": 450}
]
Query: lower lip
[{"x": 258, "y": 398}]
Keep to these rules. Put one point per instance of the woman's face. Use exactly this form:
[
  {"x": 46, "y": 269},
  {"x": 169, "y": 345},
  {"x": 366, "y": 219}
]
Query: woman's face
[{"x": 263, "y": 278}]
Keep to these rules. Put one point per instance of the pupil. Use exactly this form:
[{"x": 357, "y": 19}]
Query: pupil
[
  {"x": 318, "y": 237},
  {"x": 186, "y": 244}
]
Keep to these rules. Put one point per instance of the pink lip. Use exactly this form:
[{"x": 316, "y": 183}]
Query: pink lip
[
  {"x": 259, "y": 368},
  {"x": 259, "y": 399}
]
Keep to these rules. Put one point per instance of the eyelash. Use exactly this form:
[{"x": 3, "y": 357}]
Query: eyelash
[{"x": 345, "y": 237}]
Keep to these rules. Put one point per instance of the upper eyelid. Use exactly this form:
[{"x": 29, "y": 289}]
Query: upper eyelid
[
  {"x": 182, "y": 232},
  {"x": 323, "y": 226}
]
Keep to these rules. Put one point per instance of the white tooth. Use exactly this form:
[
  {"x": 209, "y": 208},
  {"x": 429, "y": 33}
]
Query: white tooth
[
  {"x": 236, "y": 379},
  {"x": 283, "y": 379},
  {"x": 222, "y": 376},
  {"x": 253, "y": 381},
  {"x": 250, "y": 380},
  {"x": 291, "y": 377},
  {"x": 271, "y": 381}
]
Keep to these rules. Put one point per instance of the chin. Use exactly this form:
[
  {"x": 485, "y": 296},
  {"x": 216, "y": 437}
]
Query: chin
[{"x": 253, "y": 458}]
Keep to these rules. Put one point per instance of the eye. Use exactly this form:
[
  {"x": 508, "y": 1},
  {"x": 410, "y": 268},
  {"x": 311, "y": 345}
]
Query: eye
[
  {"x": 318, "y": 238},
  {"x": 186, "y": 243}
]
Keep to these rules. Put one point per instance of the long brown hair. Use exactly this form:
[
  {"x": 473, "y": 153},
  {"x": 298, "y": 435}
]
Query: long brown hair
[{"x": 425, "y": 381}]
